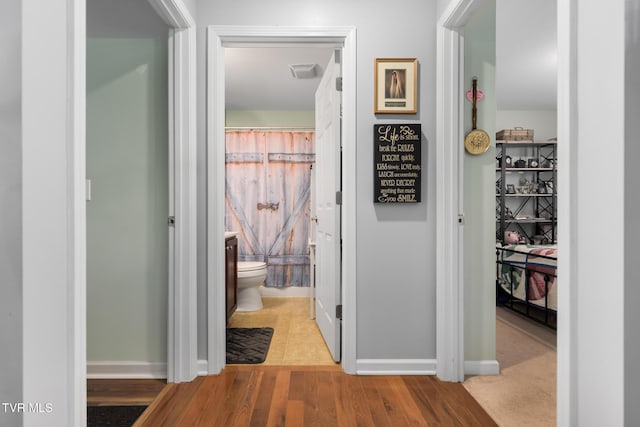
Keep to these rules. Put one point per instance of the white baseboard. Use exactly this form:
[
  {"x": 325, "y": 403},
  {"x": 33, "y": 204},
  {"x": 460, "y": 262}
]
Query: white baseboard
[
  {"x": 203, "y": 367},
  {"x": 122, "y": 370},
  {"x": 291, "y": 291},
  {"x": 396, "y": 366},
  {"x": 481, "y": 367}
]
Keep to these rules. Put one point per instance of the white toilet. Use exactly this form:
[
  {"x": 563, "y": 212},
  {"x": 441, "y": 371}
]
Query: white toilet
[{"x": 251, "y": 276}]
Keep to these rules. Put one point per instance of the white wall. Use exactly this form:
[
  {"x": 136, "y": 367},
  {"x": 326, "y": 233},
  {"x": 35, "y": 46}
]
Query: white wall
[
  {"x": 10, "y": 210},
  {"x": 600, "y": 338},
  {"x": 53, "y": 214},
  {"x": 479, "y": 191},
  {"x": 127, "y": 233},
  {"x": 395, "y": 244},
  {"x": 526, "y": 54},
  {"x": 591, "y": 144}
]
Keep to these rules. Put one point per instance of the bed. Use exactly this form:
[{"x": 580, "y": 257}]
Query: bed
[{"x": 526, "y": 281}]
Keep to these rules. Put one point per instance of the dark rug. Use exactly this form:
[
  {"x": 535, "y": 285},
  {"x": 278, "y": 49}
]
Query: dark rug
[
  {"x": 248, "y": 345},
  {"x": 113, "y": 416}
]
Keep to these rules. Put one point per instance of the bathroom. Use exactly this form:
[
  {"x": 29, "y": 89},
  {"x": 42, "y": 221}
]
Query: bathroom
[{"x": 269, "y": 156}]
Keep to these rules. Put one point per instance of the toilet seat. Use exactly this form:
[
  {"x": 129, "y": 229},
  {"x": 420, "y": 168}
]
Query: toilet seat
[
  {"x": 251, "y": 269},
  {"x": 251, "y": 265}
]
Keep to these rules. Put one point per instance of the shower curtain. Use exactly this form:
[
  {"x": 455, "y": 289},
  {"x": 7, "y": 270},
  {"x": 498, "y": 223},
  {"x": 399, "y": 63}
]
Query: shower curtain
[{"x": 267, "y": 200}]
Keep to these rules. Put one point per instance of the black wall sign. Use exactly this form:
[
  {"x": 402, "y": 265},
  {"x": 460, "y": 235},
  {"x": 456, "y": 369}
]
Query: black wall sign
[{"x": 396, "y": 163}]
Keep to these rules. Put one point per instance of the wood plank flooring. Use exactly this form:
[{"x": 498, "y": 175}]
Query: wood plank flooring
[
  {"x": 312, "y": 396},
  {"x": 123, "y": 392}
]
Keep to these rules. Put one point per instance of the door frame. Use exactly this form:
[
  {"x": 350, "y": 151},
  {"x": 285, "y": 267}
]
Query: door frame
[
  {"x": 54, "y": 144},
  {"x": 219, "y": 37},
  {"x": 450, "y": 191},
  {"x": 182, "y": 326}
]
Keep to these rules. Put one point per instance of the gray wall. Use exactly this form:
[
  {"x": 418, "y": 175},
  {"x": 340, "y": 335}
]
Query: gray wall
[
  {"x": 543, "y": 122},
  {"x": 127, "y": 234},
  {"x": 10, "y": 210},
  {"x": 123, "y": 19},
  {"x": 395, "y": 244},
  {"x": 191, "y": 6},
  {"x": 479, "y": 191},
  {"x": 632, "y": 213}
]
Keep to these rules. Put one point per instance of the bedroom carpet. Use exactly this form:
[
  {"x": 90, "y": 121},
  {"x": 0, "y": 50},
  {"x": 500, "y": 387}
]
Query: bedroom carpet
[
  {"x": 524, "y": 394},
  {"x": 248, "y": 345}
]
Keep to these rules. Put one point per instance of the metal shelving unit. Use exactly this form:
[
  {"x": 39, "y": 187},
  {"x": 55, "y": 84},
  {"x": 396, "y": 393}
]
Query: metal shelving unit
[{"x": 530, "y": 210}]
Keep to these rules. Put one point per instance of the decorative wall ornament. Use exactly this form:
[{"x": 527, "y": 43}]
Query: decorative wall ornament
[{"x": 395, "y": 86}]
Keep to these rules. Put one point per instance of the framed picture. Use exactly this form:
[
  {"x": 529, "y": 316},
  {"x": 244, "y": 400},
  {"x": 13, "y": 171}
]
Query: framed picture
[
  {"x": 395, "y": 86},
  {"x": 511, "y": 189}
]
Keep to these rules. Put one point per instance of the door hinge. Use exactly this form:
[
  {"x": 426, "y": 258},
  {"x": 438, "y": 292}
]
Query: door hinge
[
  {"x": 339, "y": 84},
  {"x": 461, "y": 219},
  {"x": 337, "y": 55},
  {"x": 339, "y": 311},
  {"x": 172, "y": 221},
  {"x": 338, "y": 197}
]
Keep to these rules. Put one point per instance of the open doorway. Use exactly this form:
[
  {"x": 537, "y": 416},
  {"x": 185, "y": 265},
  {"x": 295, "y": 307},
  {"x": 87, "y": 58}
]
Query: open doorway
[
  {"x": 519, "y": 108},
  {"x": 172, "y": 127},
  {"x": 270, "y": 149},
  {"x": 127, "y": 167},
  {"x": 281, "y": 123},
  {"x": 220, "y": 39}
]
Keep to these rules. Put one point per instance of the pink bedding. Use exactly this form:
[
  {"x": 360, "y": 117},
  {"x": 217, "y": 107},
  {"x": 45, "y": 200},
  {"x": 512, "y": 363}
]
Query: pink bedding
[
  {"x": 539, "y": 269},
  {"x": 540, "y": 261}
]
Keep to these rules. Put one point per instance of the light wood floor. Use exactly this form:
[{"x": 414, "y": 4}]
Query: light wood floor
[
  {"x": 296, "y": 337},
  {"x": 312, "y": 396}
]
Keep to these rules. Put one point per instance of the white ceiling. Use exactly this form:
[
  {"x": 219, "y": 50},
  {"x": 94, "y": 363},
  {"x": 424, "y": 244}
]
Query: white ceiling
[{"x": 259, "y": 78}]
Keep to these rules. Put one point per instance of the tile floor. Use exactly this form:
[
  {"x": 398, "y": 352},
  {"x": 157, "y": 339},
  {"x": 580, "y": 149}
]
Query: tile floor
[{"x": 296, "y": 337}]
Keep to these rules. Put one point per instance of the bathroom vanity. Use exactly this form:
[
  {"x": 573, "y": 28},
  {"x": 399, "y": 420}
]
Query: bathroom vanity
[{"x": 231, "y": 272}]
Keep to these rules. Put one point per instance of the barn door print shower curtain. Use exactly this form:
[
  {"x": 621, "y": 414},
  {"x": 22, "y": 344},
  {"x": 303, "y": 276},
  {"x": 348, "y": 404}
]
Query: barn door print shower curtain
[{"x": 268, "y": 180}]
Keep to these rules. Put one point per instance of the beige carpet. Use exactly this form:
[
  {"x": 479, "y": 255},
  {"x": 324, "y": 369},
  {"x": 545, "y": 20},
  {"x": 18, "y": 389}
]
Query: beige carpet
[{"x": 524, "y": 394}]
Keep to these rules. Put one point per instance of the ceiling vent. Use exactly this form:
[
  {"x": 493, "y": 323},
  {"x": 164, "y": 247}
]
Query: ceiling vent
[{"x": 303, "y": 71}]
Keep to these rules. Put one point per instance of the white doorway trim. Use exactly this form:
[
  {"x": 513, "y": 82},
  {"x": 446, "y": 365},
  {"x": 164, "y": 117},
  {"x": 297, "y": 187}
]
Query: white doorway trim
[
  {"x": 568, "y": 210},
  {"x": 219, "y": 37},
  {"x": 182, "y": 327},
  {"x": 53, "y": 210},
  {"x": 450, "y": 192}
]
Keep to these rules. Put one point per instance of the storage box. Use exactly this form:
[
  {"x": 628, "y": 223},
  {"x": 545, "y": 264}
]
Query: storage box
[{"x": 515, "y": 134}]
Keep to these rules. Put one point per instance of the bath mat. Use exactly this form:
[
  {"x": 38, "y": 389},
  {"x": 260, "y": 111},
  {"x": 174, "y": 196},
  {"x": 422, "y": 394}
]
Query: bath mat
[
  {"x": 113, "y": 416},
  {"x": 248, "y": 345}
]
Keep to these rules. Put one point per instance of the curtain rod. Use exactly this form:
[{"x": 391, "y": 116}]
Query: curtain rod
[{"x": 270, "y": 128}]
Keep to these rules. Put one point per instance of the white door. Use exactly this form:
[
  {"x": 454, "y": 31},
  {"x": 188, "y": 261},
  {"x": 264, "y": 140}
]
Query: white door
[{"x": 328, "y": 211}]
